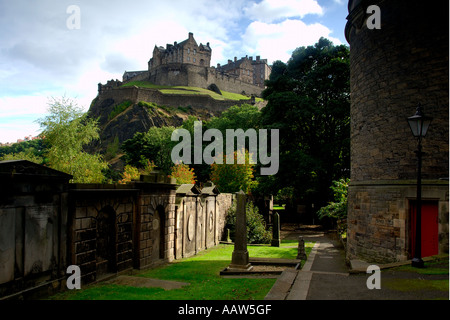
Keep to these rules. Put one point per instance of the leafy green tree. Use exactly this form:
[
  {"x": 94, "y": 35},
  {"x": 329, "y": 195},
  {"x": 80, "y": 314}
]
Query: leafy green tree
[
  {"x": 154, "y": 145},
  {"x": 309, "y": 102},
  {"x": 233, "y": 177},
  {"x": 237, "y": 117},
  {"x": 33, "y": 150},
  {"x": 67, "y": 129},
  {"x": 337, "y": 209},
  {"x": 22, "y": 156}
]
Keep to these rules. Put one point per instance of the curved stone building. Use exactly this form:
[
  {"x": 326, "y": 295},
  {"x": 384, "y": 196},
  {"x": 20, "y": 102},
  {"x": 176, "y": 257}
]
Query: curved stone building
[{"x": 395, "y": 65}]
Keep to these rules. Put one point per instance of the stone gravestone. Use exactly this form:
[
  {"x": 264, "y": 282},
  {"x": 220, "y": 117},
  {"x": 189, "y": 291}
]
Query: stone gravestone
[
  {"x": 301, "y": 249},
  {"x": 276, "y": 230},
  {"x": 240, "y": 258}
]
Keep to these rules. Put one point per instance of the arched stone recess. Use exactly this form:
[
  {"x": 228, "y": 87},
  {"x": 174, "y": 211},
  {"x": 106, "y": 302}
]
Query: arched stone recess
[
  {"x": 102, "y": 230},
  {"x": 156, "y": 228}
]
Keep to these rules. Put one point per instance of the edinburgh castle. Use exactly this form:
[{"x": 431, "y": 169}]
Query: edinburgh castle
[{"x": 188, "y": 64}]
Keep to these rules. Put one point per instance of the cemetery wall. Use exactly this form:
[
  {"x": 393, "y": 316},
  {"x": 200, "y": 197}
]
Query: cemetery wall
[{"x": 47, "y": 224}]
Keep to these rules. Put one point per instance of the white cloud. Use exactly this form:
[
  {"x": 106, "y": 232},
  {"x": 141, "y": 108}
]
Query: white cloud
[
  {"x": 272, "y": 10},
  {"x": 40, "y": 57},
  {"x": 277, "y": 41}
]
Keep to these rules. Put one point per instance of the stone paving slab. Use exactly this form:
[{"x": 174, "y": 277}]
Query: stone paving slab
[{"x": 282, "y": 286}]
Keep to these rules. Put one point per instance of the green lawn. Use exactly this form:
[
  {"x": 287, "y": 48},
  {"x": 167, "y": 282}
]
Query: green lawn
[
  {"x": 437, "y": 266},
  {"x": 202, "y": 274},
  {"x": 188, "y": 90}
]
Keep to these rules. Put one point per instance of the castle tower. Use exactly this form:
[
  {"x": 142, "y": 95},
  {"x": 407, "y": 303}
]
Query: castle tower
[
  {"x": 185, "y": 52},
  {"x": 393, "y": 69}
]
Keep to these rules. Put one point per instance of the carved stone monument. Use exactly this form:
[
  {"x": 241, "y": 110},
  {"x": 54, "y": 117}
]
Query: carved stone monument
[
  {"x": 276, "y": 230},
  {"x": 240, "y": 259},
  {"x": 301, "y": 249}
]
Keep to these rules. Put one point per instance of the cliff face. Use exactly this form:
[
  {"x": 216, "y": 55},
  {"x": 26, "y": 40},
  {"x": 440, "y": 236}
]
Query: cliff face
[
  {"x": 121, "y": 116},
  {"x": 122, "y": 111}
]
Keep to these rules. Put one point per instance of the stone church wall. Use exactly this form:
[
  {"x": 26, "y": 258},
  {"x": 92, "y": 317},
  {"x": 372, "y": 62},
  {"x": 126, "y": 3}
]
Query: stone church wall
[{"x": 393, "y": 69}]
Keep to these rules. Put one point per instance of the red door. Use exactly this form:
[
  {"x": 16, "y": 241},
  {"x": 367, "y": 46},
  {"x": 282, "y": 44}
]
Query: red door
[{"x": 429, "y": 225}]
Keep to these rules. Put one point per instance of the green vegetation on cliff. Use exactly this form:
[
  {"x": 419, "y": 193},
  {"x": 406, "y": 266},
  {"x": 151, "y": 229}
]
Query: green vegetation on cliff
[{"x": 187, "y": 90}]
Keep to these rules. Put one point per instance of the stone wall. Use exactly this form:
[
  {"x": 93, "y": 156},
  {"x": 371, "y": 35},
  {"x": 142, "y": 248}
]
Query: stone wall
[
  {"x": 101, "y": 233},
  {"x": 379, "y": 220},
  {"x": 155, "y": 225},
  {"x": 47, "y": 224},
  {"x": 200, "y": 219},
  {"x": 136, "y": 95},
  {"x": 392, "y": 70},
  {"x": 33, "y": 227},
  {"x": 178, "y": 74}
]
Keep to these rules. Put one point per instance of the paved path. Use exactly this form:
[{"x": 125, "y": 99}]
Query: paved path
[
  {"x": 325, "y": 276},
  {"x": 326, "y": 259}
]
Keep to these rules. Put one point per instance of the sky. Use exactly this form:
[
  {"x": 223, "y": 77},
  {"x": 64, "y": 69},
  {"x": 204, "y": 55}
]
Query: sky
[{"x": 59, "y": 48}]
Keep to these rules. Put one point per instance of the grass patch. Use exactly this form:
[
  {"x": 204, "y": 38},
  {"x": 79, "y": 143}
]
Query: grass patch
[
  {"x": 149, "y": 105},
  {"x": 201, "y": 271},
  {"x": 438, "y": 266},
  {"x": 189, "y": 90},
  {"x": 407, "y": 285},
  {"x": 119, "y": 109}
]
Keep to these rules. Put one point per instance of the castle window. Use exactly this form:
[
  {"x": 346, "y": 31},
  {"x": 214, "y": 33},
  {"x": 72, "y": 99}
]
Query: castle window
[
  {"x": 189, "y": 50},
  {"x": 188, "y": 59},
  {"x": 194, "y": 59},
  {"x": 195, "y": 51}
]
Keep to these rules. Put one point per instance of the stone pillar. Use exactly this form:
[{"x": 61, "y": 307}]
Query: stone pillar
[
  {"x": 240, "y": 259},
  {"x": 276, "y": 230},
  {"x": 301, "y": 254}
]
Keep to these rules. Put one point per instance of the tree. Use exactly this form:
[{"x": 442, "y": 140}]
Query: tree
[
  {"x": 242, "y": 117},
  {"x": 22, "y": 156},
  {"x": 309, "y": 102},
  {"x": 336, "y": 209},
  {"x": 154, "y": 145},
  {"x": 233, "y": 177},
  {"x": 67, "y": 129},
  {"x": 33, "y": 151}
]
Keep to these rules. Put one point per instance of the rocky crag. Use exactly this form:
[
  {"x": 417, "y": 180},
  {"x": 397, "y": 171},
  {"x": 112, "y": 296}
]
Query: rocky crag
[{"x": 122, "y": 111}]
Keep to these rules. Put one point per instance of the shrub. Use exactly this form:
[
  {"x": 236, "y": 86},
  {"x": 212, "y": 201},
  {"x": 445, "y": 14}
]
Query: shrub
[
  {"x": 131, "y": 173},
  {"x": 183, "y": 174},
  {"x": 256, "y": 229},
  {"x": 338, "y": 208}
]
